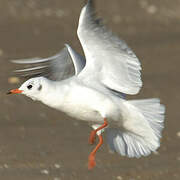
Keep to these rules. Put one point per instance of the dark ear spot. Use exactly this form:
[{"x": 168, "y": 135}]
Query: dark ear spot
[{"x": 40, "y": 87}]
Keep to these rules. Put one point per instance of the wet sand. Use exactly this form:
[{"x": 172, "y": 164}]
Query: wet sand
[{"x": 40, "y": 143}]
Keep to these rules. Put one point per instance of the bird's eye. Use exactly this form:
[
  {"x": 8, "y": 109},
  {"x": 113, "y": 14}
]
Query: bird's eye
[{"x": 29, "y": 86}]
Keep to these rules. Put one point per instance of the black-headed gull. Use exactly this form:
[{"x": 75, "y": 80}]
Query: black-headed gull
[{"x": 92, "y": 89}]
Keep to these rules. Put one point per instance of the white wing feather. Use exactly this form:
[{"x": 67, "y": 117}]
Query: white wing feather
[
  {"x": 108, "y": 59},
  {"x": 78, "y": 60}
]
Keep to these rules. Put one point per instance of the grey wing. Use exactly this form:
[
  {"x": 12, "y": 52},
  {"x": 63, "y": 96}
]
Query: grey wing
[
  {"x": 58, "y": 67},
  {"x": 108, "y": 59}
]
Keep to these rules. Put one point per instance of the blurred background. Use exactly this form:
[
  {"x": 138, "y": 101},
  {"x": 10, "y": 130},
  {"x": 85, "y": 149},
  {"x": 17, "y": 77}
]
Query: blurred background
[{"x": 39, "y": 143}]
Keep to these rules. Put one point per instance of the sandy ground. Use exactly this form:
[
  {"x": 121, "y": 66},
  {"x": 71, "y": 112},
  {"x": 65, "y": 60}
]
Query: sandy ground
[{"x": 39, "y": 143}]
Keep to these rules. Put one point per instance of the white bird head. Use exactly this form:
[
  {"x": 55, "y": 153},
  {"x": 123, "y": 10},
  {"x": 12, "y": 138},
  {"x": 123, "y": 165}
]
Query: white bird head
[{"x": 31, "y": 88}]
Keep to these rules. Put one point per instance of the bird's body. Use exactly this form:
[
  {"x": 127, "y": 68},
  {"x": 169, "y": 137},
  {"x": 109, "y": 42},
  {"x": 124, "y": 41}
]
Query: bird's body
[
  {"x": 95, "y": 92},
  {"x": 76, "y": 99}
]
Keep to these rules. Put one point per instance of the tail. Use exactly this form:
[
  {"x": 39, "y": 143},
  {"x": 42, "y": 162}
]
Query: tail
[{"x": 141, "y": 131}]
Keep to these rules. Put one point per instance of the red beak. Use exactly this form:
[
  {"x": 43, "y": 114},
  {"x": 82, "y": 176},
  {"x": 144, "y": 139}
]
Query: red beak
[{"x": 15, "y": 91}]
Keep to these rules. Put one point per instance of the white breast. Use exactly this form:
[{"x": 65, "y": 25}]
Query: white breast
[{"x": 83, "y": 103}]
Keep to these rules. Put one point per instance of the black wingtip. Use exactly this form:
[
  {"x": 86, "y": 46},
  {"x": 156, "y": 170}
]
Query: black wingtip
[{"x": 90, "y": 3}]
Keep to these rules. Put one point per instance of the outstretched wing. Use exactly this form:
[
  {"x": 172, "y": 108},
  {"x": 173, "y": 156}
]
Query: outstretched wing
[
  {"x": 58, "y": 67},
  {"x": 108, "y": 59}
]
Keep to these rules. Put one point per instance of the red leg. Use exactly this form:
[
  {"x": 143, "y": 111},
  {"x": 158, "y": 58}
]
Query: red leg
[
  {"x": 91, "y": 160},
  {"x": 93, "y": 133}
]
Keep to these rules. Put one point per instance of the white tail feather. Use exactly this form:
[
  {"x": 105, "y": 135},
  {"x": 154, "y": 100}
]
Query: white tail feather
[{"x": 141, "y": 130}]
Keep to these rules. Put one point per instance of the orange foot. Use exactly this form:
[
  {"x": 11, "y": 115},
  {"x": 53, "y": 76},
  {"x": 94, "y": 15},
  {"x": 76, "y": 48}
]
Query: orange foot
[
  {"x": 91, "y": 159},
  {"x": 92, "y": 137},
  {"x": 91, "y": 162}
]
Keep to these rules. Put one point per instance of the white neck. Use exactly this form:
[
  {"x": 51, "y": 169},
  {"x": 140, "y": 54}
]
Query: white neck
[{"x": 54, "y": 93}]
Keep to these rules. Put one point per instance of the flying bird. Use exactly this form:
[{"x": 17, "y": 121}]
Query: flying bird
[{"x": 93, "y": 88}]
